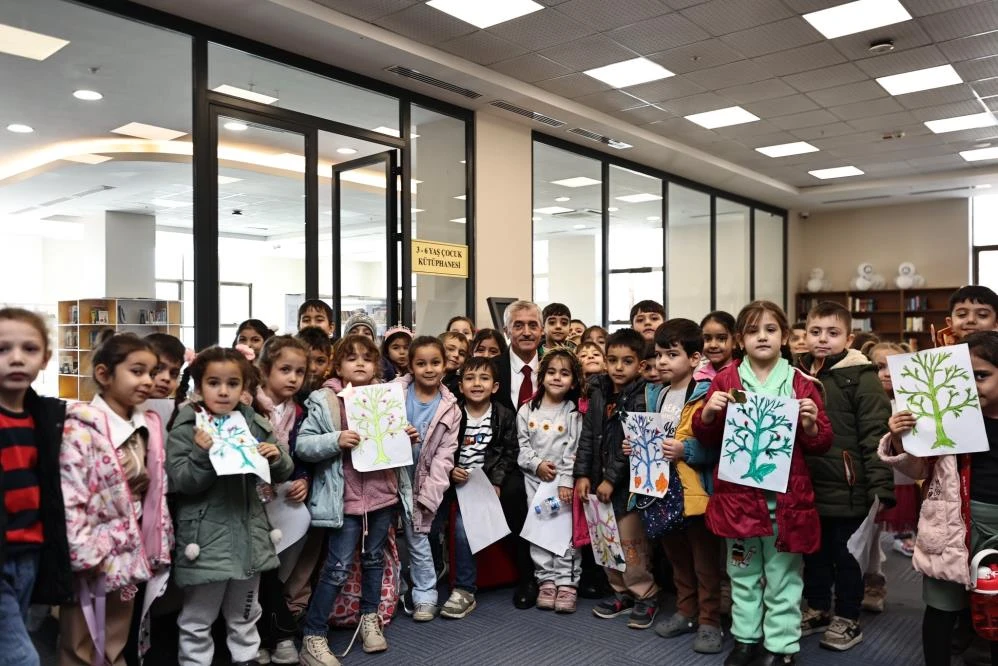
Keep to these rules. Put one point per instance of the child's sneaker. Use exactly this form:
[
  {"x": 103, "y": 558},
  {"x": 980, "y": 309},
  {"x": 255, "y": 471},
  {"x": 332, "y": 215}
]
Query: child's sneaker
[
  {"x": 546, "y": 596},
  {"x": 315, "y": 652},
  {"x": 459, "y": 604},
  {"x": 263, "y": 656},
  {"x": 284, "y": 653},
  {"x": 424, "y": 612},
  {"x": 744, "y": 654},
  {"x": 677, "y": 625},
  {"x": 842, "y": 634},
  {"x": 874, "y": 593},
  {"x": 814, "y": 621},
  {"x": 613, "y": 606},
  {"x": 709, "y": 640},
  {"x": 565, "y": 601},
  {"x": 371, "y": 633},
  {"x": 643, "y": 614}
]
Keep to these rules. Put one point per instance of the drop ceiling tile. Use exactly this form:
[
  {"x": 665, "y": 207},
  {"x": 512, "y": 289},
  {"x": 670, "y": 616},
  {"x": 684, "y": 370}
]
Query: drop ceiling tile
[
  {"x": 542, "y": 29},
  {"x": 822, "y": 131},
  {"x": 926, "y": 7},
  {"x": 367, "y": 10},
  {"x": 867, "y": 109},
  {"x": 971, "y": 136},
  {"x": 937, "y": 97},
  {"x": 681, "y": 129},
  {"x": 608, "y": 101},
  {"x": 773, "y": 37},
  {"x": 682, "y": 4},
  {"x": 975, "y": 70},
  {"x": 847, "y": 94},
  {"x": 760, "y": 90},
  {"x": 806, "y": 119},
  {"x": 968, "y": 48},
  {"x": 425, "y": 24},
  {"x": 782, "y": 106},
  {"x": 530, "y": 68},
  {"x": 937, "y": 162},
  {"x": 720, "y": 17},
  {"x": 905, "y": 35},
  {"x": 671, "y": 88},
  {"x": 988, "y": 88},
  {"x": 573, "y": 85},
  {"x": 826, "y": 77},
  {"x": 888, "y": 122},
  {"x": 701, "y": 55},
  {"x": 806, "y": 6},
  {"x": 773, "y": 139},
  {"x": 482, "y": 47},
  {"x": 642, "y": 115},
  {"x": 658, "y": 34},
  {"x": 885, "y": 168},
  {"x": 696, "y": 104},
  {"x": 969, "y": 20},
  {"x": 905, "y": 61},
  {"x": 991, "y": 103},
  {"x": 725, "y": 76},
  {"x": 745, "y": 130},
  {"x": 791, "y": 61},
  {"x": 948, "y": 110},
  {"x": 588, "y": 53},
  {"x": 608, "y": 15},
  {"x": 844, "y": 140}
]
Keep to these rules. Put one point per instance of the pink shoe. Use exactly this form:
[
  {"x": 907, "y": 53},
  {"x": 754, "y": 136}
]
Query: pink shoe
[
  {"x": 565, "y": 602},
  {"x": 546, "y": 596}
]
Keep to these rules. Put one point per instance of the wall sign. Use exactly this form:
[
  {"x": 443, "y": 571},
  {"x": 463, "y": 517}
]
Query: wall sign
[{"x": 432, "y": 258}]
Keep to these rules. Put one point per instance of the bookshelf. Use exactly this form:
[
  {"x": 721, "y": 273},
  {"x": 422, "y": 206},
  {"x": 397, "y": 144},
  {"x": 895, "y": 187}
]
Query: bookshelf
[
  {"x": 80, "y": 322},
  {"x": 901, "y": 315}
]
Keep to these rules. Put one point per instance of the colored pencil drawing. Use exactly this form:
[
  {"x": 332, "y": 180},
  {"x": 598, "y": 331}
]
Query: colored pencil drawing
[
  {"x": 604, "y": 535},
  {"x": 234, "y": 448},
  {"x": 758, "y": 441},
  {"x": 377, "y": 414},
  {"x": 649, "y": 468}
]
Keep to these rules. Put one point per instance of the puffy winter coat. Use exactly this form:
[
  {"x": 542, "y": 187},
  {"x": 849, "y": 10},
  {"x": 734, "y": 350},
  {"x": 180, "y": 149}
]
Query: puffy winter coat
[
  {"x": 738, "y": 512},
  {"x": 222, "y": 528}
]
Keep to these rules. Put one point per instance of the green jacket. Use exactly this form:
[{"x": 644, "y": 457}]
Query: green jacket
[
  {"x": 221, "y": 515},
  {"x": 850, "y": 474}
]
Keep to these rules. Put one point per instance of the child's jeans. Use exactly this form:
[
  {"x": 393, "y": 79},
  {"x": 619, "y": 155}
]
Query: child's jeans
[
  {"x": 239, "y": 603},
  {"x": 834, "y": 566},
  {"x": 421, "y": 569},
  {"x": 16, "y": 584},
  {"x": 465, "y": 568},
  {"x": 339, "y": 558},
  {"x": 636, "y": 580}
]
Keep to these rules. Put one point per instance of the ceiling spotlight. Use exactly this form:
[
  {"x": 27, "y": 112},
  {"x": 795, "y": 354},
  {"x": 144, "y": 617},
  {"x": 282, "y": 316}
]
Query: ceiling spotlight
[
  {"x": 18, "y": 128},
  {"x": 346, "y": 151},
  {"x": 88, "y": 95},
  {"x": 235, "y": 126},
  {"x": 562, "y": 199}
]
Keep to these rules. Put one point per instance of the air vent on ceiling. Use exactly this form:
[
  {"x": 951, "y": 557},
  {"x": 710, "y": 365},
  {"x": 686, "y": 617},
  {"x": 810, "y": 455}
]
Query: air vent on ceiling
[
  {"x": 599, "y": 138},
  {"x": 432, "y": 81},
  {"x": 527, "y": 113},
  {"x": 579, "y": 214},
  {"x": 879, "y": 196},
  {"x": 949, "y": 189},
  {"x": 71, "y": 197}
]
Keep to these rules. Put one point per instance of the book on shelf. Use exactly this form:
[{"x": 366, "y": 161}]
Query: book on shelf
[
  {"x": 74, "y": 314},
  {"x": 916, "y": 303},
  {"x": 862, "y": 324},
  {"x": 862, "y": 304},
  {"x": 914, "y": 324}
]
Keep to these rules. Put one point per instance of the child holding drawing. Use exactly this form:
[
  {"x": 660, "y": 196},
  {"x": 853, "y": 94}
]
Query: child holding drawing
[
  {"x": 766, "y": 532},
  {"x": 548, "y": 429}
]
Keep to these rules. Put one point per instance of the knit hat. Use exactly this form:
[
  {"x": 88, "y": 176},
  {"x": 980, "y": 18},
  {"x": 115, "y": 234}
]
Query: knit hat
[
  {"x": 396, "y": 330},
  {"x": 360, "y": 319}
]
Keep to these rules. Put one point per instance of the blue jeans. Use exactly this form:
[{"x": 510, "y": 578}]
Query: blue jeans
[
  {"x": 465, "y": 568},
  {"x": 421, "y": 570},
  {"x": 339, "y": 558},
  {"x": 16, "y": 584}
]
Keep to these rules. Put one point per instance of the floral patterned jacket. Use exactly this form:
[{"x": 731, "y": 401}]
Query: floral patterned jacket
[{"x": 104, "y": 534}]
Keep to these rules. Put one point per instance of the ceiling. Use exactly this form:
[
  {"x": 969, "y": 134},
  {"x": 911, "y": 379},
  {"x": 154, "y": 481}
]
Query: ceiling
[{"x": 759, "y": 54}]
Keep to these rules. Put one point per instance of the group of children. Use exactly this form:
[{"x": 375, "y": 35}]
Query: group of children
[{"x": 109, "y": 512}]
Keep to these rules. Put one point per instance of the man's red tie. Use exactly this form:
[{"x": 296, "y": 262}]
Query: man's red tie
[{"x": 527, "y": 387}]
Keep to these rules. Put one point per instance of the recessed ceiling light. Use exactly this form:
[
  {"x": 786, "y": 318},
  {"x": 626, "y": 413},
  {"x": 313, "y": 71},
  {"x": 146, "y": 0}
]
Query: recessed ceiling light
[
  {"x": 88, "y": 95},
  {"x": 552, "y": 210},
  {"x": 980, "y": 154},
  {"x": 485, "y": 13},
  {"x": 347, "y": 151},
  {"x": 225, "y": 180},
  {"x": 416, "y": 210},
  {"x": 858, "y": 16},
  {"x": 169, "y": 203},
  {"x": 961, "y": 123},
  {"x": 151, "y": 132},
  {"x": 459, "y": 220},
  {"x": 27, "y": 44},
  {"x": 784, "y": 149},
  {"x": 653, "y": 218},
  {"x": 920, "y": 79},
  {"x": 562, "y": 199},
  {"x": 463, "y": 162},
  {"x": 837, "y": 172},
  {"x": 577, "y": 181},
  {"x": 733, "y": 115},
  {"x": 461, "y": 197},
  {"x": 639, "y": 198},
  {"x": 18, "y": 128},
  {"x": 235, "y": 126},
  {"x": 578, "y": 226},
  {"x": 88, "y": 159},
  {"x": 251, "y": 95},
  {"x": 612, "y": 209},
  {"x": 393, "y": 132},
  {"x": 535, "y": 219},
  {"x": 629, "y": 72}
]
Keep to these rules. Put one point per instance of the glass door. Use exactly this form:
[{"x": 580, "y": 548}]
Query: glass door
[{"x": 365, "y": 239}]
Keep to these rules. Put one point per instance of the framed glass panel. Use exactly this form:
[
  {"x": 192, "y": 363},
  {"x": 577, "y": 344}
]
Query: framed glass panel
[
  {"x": 689, "y": 257},
  {"x": 732, "y": 261},
  {"x": 635, "y": 242},
  {"x": 769, "y": 253}
]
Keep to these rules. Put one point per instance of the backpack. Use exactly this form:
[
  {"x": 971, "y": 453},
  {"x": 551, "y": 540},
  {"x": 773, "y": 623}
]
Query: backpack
[{"x": 662, "y": 515}]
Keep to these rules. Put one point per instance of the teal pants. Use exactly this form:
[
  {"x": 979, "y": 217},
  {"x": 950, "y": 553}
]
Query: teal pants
[{"x": 769, "y": 613}]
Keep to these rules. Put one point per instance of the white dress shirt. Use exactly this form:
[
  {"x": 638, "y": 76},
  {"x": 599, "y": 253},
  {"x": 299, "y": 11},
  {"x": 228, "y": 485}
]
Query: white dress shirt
[{"x": 516, "y": 375}]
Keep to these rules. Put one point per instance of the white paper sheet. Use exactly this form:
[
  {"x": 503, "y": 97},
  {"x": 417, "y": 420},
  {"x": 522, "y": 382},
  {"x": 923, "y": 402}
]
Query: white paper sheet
[
  {"x": 484, "y": 522},
  {"x": 234, "y": 449},
  {"x": 758, "y": 442},
  {"x": 603, "y": 534},
  {"x": 937, "y": 385},
  {"x": 649, "y": 469},
  {"x": 552, "y": 532},
  {"x": 292, "y": 518},
  {"x": 377, "y": 414},
  {"x": 862, "y": 539}
]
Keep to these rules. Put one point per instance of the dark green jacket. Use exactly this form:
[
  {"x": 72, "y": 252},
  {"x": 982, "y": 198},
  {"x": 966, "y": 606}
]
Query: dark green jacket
[
  {"x": 222, "y": 515},
  {"x": 850, "y": 474}
]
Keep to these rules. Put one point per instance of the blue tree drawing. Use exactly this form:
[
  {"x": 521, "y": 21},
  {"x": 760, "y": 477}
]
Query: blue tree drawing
[
  {"x": 232, "y": 438},
  {"x": 757, "y": 430},
  {"x": 646, "y": 443}
]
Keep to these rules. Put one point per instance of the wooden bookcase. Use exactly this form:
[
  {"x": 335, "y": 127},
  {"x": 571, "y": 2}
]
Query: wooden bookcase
[
  {"x": 81, "y": 322},
  {"x": 901, "y": 315}
]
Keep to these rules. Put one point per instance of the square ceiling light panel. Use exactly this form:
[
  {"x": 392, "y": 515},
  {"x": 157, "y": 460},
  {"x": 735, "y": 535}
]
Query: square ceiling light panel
[
  {"x": 958, "y": 123},
  {"x": 577, "y": 181},
  {"x": 638, "y": 198},
  {"x": 857, "y": 16},
  {"x": 553, "y": 210},
  {"x": 920, "y": 79},
  {"x": 733, "y": 115},
  {"x": 629, "y": 72},
  {"x": 485, "y": 13},
  {"x": 837, "y": 172},
  {"x": 27, "y": 44},
  {"x": 151, "y": 132},
  {"x": 979, "y": 154},
  {"x": 242, "y": 93},
  {"x": 786, "y": 149}
]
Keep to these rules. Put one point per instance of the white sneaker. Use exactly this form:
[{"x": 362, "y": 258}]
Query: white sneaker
[
  {"x": 315, "y": 652},
  {"x": 371, "y": 633},
  {"x": 424, "y": 612},
  {"x": 263, "y": 656},
  {"x": 284, "y": 653}
]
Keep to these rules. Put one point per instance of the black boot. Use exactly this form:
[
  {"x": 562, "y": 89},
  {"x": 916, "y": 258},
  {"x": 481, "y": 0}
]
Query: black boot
[
  {"x": 743, "y": 654},
  {"x": 768, "y": 658},
  {"x": 525, "y": 594}
]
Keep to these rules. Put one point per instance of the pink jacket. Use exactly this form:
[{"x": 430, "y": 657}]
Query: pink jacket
[
  {"x": 101, "y": 526},
  {"x": 941, "y": 544},
  {"x": 431, "y": 478}
]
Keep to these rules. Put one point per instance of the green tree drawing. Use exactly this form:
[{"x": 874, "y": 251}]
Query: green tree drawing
[
  {"x": 378, "y": 420},
  {"x": 233, "y": 438},
  {"x": 757, "y": 429},
  {"x": 936, "y": 392}
]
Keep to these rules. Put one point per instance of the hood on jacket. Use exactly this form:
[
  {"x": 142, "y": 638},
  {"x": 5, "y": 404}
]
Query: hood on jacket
[
  {"x": 89, "y": 416},
  {"x": 852, "y": 358}
]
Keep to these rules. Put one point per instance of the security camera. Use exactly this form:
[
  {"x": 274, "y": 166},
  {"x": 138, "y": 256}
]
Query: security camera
[{"x": 805, "y": 214}]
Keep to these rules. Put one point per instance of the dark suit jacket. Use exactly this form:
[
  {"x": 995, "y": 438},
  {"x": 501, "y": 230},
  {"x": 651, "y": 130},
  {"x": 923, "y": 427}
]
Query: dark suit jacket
[{"x": 505, "y": 381}]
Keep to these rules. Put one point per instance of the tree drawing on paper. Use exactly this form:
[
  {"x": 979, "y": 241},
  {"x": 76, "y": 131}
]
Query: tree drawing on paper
[
  {"x": 937, "y": 388},
  {"x": 378, "y": 419},
  {"x": 760, "y": 431},
  {"x": 232, "y": 438},
  {"x": 603, "y": 533},
  {"x": 649, "y": 469}
]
